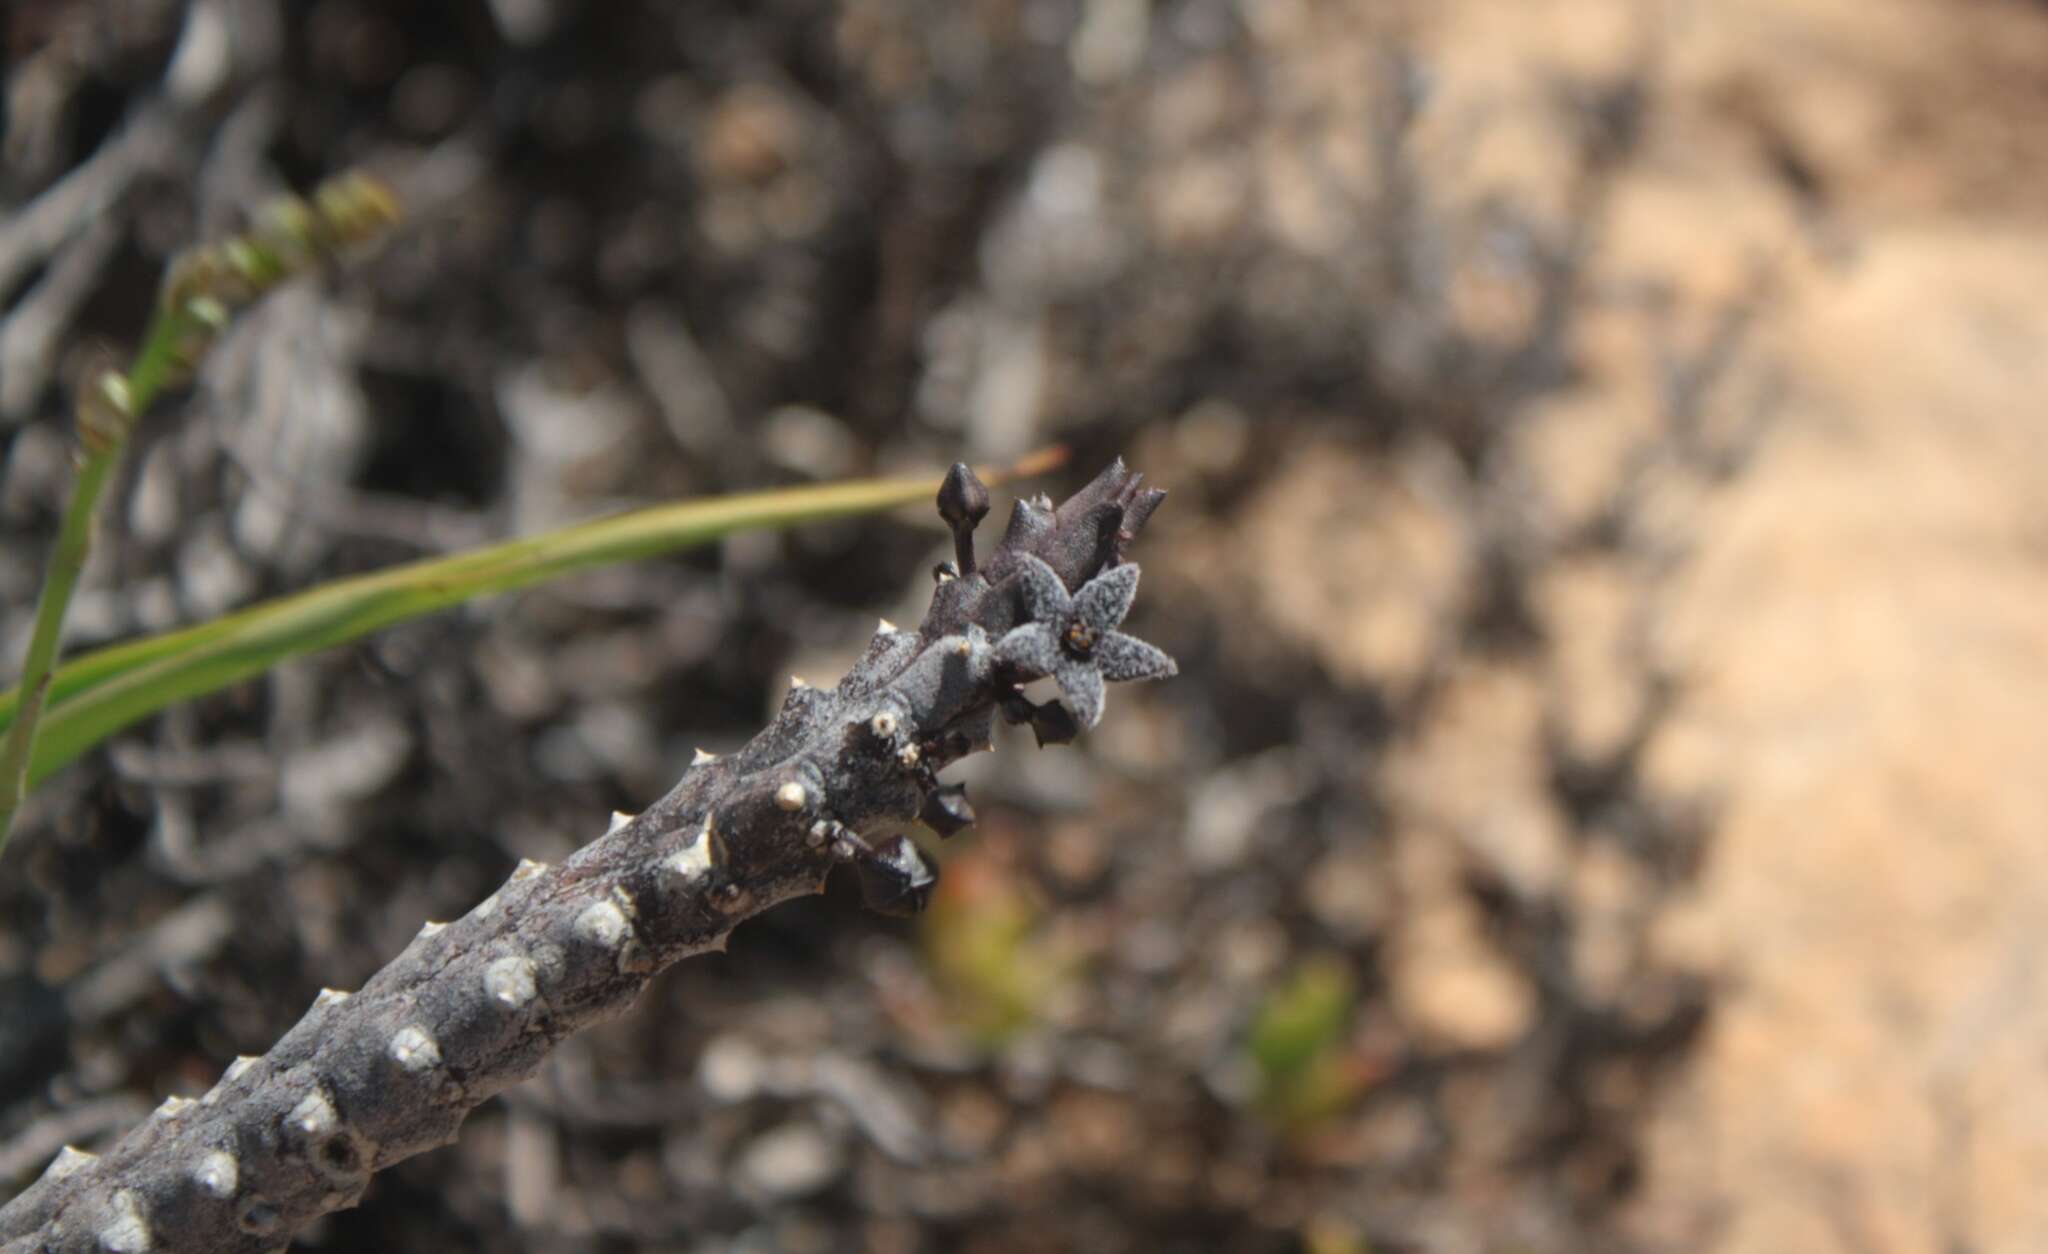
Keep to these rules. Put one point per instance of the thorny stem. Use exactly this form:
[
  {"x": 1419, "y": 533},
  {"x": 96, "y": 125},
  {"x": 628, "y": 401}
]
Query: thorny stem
[
  {"x": 200, "y": 289},
  {"x": 472, "y": 1007}
]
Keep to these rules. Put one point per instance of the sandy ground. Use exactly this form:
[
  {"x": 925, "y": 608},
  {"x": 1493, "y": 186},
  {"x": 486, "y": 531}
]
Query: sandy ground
[{"x": 1865, "y": 622}]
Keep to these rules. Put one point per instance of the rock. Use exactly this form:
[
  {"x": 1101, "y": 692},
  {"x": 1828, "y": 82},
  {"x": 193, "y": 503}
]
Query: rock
[
  {"x": 791, "y": 1161},
  {"x": 1875, "y": 662},
  {"x": 1589, "y": 610},
  {"x": 1450, "y": 987},
  {"x": 1347, "y": 892},
  {"x": 1611, "y": 897},
  {"x": 1095, "y": 1131},
  {"x": 1354, "y": 562},
  {"x": 731, "y": 1069},
  {"x": 752, "y": 134},
  {"x": 1477, "y": 774},
  {"x": 1226, "y": 813}
]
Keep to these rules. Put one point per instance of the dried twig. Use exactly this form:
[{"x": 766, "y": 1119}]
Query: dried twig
[{"x": 472, "y": 1007}]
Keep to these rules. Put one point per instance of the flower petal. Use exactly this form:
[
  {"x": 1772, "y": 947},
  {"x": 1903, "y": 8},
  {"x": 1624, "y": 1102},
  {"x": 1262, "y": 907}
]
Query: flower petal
[
  {"x": 1103, "y": 601},
  {"x": 1081, "y": 689},
  {"x": 1045, "y": 597},
  {"x": 1124, "y": 657},
  {"x": 1032, "y": 648}
]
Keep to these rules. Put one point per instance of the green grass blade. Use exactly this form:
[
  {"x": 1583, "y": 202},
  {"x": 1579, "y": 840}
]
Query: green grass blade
[
  {"x": 102, "y": 692},
  {"x": 195, "y": 303}
]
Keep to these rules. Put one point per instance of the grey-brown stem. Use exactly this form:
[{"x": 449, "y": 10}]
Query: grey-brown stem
[{"x": 472, "y": 1007}]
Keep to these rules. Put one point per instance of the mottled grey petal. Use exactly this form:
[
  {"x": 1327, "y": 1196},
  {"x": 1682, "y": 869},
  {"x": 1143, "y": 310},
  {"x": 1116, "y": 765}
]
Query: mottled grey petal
[
  {"x": 1124, "y": 657},
  {"x": 1045, "y": 597},
  {"x": 1032, "y": 648},
  {"x": 1081, "y": 688},
  {"x": 1103, "y": 601}
]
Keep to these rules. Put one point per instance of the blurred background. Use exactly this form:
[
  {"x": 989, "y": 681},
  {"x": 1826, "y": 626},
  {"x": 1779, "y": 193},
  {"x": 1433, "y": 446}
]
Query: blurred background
[{"x": 1602, "y": 805}]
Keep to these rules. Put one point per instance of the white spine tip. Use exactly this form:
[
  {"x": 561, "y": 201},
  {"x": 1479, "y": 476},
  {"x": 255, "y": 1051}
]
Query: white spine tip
[
  {"x": 413, "y": 1049},
  {"x": 908, "y": 756},
  {"x": 68, "y": 1160},
  {"x": 603, "y": 924},
  {"x": 619, "y": 819},
  {"x": 431, "y": 929},
  {"x": 510, "y": 980},
  {"x": 886, "y": 627},
  {"x": 314, "y": 1116},
  {"x": 330, "y": 997},
  {"x": 239, "y": 1068},
  {"x": 791, "y": 796},
  {"x": 172, "y": 1107},
  {"x": 527, "y": 869},
  {"x": 732, "y": 898},
  {"x": 127, "y": 1232},
  {"x": 797, "y": 682},
  {"x": 217, "y": 1173},
  {"x": 883, "y": 724},
  {"x": 703, "y": 757},
  {"x": 694, "y": 859}
]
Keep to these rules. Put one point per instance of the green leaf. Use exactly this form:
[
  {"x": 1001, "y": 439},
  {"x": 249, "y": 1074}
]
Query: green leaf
[
  {"x": 984, "y": 941},
  {"x": 1297, "y": 1045},
  {"x": 108, "y": 689},
  {"x": 1303, "y": 1018}
]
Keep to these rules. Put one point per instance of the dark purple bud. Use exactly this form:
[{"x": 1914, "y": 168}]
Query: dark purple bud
[
  {"x": 947, "y": 810},
  {"x": 963, "y": 503},
  {"x": 1053, "y": 724},
  {"x": 895, "y": 879},
  {"x": 963, "y": 498}
]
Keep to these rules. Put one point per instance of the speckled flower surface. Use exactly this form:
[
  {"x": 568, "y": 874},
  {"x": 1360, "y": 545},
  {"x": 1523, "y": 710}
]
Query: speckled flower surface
[{"x": 1074, "y": 638}]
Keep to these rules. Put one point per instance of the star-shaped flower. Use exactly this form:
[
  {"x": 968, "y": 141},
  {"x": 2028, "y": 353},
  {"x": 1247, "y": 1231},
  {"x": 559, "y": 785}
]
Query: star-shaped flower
[{"x": 1075, "y": 639}]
